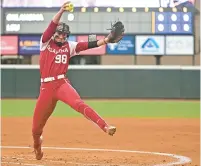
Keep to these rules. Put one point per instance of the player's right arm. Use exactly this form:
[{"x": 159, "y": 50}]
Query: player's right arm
[{"x": 49, "y": 32}]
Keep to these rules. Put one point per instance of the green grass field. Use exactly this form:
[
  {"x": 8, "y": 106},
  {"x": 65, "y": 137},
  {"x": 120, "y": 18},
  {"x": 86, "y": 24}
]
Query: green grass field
[{"x": 138, "y": 109}]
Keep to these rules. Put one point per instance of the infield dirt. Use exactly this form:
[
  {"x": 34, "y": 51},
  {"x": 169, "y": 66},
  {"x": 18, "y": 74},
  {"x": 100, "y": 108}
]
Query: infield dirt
[{"x": 174, "y": 136}]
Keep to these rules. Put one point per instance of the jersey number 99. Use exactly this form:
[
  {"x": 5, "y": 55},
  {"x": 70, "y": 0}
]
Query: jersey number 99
[{"x": 61, "y": 59}]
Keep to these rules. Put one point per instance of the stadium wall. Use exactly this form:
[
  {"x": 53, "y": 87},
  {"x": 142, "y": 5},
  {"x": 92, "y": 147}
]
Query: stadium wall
[{"x": 109, "y": 81}]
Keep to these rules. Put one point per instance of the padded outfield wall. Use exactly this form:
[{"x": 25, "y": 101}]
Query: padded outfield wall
[{"x": 23, "y": 81}]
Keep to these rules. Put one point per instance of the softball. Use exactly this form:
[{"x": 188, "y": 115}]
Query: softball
[{"x": 69, "y": 7}]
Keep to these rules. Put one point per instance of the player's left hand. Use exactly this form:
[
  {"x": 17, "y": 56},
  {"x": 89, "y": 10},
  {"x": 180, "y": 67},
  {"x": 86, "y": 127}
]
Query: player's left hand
[{"x": 116, "y": 33}]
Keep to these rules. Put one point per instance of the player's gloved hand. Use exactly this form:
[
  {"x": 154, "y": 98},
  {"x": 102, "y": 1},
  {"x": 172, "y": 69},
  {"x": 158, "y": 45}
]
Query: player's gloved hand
[
  {"x": 116, "y": 33},
  {"x": 63, "y": 7}
]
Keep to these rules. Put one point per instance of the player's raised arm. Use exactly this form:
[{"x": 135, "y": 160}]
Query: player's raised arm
[{"x": 49, "y": 32}]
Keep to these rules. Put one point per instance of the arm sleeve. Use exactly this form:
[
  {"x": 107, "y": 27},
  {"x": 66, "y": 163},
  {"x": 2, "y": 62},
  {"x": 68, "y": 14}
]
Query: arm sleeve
[
  {"x": 49, "y": 32},
  {"x": 46, "y": 36},
  {"x": 43, "y": 46},
  {"x": 76, "y": 47}
]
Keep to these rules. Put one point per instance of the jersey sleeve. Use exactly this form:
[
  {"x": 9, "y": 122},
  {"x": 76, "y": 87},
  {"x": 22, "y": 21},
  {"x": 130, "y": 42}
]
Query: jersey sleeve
[
  {"x": 49, "y": 32},
  {"x": 77, "y": 47},
  {"x": 47, "y": 35},
  {"x": 43, "y": 46},
  {"x": 72, "y": 46}
]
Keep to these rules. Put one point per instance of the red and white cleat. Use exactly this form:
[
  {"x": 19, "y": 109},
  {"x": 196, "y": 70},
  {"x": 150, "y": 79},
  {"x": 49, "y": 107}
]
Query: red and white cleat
[
  {"x": 38, "y": 150},
  {"x": 110, "y": 130}
]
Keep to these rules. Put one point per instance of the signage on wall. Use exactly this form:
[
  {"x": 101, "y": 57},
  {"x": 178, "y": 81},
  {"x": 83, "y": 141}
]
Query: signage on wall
[
  {"x": 179, "y": 45},
  {"x": 94, "y": 51},
  {"x": 149, "y": 45},
  {"x": 72, "y": 38},
  {"x": 29, "y": 45},
  {"x": 24, "y": 17},
  {"x": 174, "y": 23},
  {"x": 9, "y": 45},
  {"x": 125, "y": 46},
  {"x": 35, "y": 21},
  {"x": 14, "y": 21}
]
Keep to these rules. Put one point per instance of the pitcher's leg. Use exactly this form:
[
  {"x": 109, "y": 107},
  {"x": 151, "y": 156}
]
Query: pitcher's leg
[
  {"x": 44, "y": 108},
  {"x": 68, "y": 95}
]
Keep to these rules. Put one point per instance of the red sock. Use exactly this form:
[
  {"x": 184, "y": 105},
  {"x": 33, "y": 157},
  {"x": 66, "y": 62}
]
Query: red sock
[{"x": 90, "y": 114}]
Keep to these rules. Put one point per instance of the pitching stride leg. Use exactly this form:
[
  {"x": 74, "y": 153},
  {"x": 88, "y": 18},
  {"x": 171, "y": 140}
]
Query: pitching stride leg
[{"x": 69, "y": 95}]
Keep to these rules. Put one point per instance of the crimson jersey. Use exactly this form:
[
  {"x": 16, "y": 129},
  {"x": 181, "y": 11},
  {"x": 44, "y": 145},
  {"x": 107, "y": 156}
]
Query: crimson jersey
[{"x": 54, "y": 60}]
